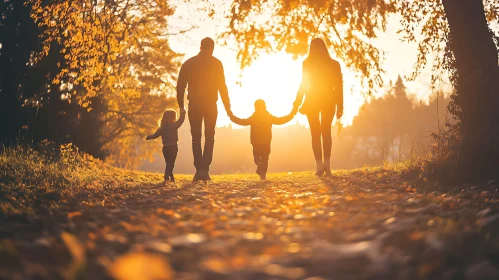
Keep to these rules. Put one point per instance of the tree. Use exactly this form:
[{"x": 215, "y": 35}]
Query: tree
[
  {"x": 466, "y": 47},
  {"x": 118, "y": 46},
  {"x": 116, "y": 52},
  {"x": 125, "y": 130},
  {"x": 347, "y": 27},
  {"x": 17, "y": 34},
  {"x": 32, "y": 108},
  {"x": 458, "y": 29},
  {"x": 475, "y": 56},
  {"x": 386, "y": 123}
]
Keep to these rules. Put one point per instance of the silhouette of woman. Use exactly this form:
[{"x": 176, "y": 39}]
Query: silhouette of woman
[{"x": 322, "y": 86}]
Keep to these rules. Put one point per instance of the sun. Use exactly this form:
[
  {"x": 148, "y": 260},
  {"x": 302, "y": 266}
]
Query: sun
[{"x": 275, "y": 78}]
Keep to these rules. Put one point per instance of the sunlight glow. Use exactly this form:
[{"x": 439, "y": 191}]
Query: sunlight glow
[
  {"x": 273, "y": 78},
  {"x": 276, "y": 78}
]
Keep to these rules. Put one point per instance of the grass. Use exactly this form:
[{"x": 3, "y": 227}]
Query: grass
[
  {"x": 54, "y": 173},
  {"x": 66, "y": 215}
]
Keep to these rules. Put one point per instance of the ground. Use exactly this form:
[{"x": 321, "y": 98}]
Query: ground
[{"x": 361, "y": 224}]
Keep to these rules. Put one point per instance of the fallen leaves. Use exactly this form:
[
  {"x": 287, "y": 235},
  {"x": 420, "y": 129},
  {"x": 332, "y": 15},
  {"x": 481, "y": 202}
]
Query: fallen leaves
[
  {"x": 292, "y": 227},
  {"x": 77, "y": 251},
  {"x": 216, "y": 265},
  {"x": 71, "y": 215},
  {"x": 490, "y": 221},
  {"x": 141, "y": 266},
  {"x": 276, "y": 270},
  {"x": 187, "y": 239}
]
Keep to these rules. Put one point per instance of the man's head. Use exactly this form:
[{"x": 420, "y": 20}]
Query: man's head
[
  {"x": 260, "y": 105},
  {"x": 207, "y": 45}
]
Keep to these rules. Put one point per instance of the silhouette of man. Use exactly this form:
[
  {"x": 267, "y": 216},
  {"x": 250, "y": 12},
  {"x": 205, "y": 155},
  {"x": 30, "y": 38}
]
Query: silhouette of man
[{"x": 204, "y": 76}]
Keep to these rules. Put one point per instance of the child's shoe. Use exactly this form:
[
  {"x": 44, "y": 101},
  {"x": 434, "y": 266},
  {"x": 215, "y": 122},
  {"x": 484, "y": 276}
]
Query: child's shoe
[{"x": 172, "y": 179}]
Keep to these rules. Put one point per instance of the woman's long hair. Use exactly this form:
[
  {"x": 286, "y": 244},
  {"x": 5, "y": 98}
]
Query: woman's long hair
[{"x": 318, "y": 51}]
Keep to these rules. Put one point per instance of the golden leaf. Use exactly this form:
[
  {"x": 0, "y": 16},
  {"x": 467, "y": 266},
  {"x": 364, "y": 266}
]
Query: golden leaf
[
  {"x": 141, "y": 266},
  {"x": 74, "y": 214}
]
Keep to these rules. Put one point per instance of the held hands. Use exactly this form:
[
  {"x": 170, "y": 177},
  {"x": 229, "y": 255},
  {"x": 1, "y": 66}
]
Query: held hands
[
  {"x": 231, "y": 116},
  {"x": 295, "y": 109},
  {"x": 339, "y": 114},
  {"x": 229, "y": 113},
  {"x": 296, "y": 105}
]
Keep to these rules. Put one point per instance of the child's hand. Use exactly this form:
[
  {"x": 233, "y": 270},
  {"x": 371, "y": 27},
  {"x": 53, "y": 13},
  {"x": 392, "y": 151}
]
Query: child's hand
[
  {"x": 148, "y": 137},
  {"x": 233, "y": 119}
]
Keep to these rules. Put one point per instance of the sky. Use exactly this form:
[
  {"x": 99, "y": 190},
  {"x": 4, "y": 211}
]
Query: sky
[{"x": 276, "y": 77}]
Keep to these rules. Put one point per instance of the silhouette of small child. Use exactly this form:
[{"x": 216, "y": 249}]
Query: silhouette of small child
[
  {"x": 168, "y": 130},
  {"x": 261, "y": 133}
]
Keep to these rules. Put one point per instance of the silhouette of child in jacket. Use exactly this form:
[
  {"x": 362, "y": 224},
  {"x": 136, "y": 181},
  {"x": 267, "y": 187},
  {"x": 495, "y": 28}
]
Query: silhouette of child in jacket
[
  {"x": 168, "y": 130},
  {"x": 261, "y": 133}
]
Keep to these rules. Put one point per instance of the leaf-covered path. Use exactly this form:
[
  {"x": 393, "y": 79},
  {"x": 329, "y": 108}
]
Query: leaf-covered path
[{"x": 365, "y": 224}]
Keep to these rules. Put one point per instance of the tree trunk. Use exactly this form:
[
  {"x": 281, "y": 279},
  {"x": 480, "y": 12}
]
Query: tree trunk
[{"x": 476, "y": 57}]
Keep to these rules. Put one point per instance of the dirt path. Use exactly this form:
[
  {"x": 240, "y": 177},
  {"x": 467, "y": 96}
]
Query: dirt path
[{"x": 355, "y": 225}]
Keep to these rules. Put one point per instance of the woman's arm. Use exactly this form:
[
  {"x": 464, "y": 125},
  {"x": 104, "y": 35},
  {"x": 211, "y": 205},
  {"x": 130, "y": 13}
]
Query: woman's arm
[
  {"x": 283, "y": 120},
  {"x": 339, "y": 106},
  {"x": 303, "y": 87}
]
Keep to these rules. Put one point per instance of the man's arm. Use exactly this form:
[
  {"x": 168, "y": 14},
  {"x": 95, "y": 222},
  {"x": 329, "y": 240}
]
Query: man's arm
[
  {"x": 182, "y": 84},
  {"x": 222, "y": 88},
  {"x": 239, "y": 121},
  {"x": 155, "y": 135},
  {"x": 181, "y": 119}
]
